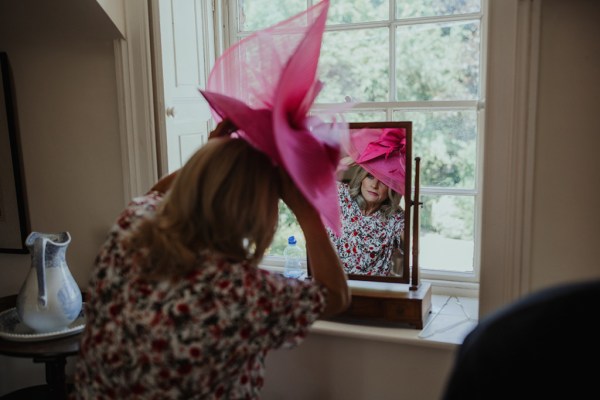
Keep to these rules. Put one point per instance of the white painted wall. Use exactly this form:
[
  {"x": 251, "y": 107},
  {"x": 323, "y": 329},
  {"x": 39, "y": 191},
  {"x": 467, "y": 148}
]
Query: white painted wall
[
  {"x": 116, "y": 11},
  {"x": 566, "y": 221},
  {"x": 67, "y": 99},
  {"x": 67, "y": 109},
  {"x": 539, "y": 217},
  {"x": 67, "y": 113},
  {"x": 342, "y": 368}
]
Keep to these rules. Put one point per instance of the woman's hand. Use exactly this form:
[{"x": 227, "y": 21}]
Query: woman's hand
[
  {"x": 164, "y": 183},
  {"x": 224, "y": 128}
]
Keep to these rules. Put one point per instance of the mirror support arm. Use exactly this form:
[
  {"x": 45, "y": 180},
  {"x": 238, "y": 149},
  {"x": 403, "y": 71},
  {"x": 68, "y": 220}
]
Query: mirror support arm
[
  {"x": 394, "y": 300},
  {"x": 415, "y": 240}
]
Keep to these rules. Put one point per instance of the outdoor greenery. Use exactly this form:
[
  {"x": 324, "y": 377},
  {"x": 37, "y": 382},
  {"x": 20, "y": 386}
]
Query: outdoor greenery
[
  {"x": 427, "y": 61},
  {"x": 288, "y": 226}
]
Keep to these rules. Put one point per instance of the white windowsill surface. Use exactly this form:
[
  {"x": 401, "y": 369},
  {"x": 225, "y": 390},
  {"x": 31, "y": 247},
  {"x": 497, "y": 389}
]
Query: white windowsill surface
[{"x": 450, "y": 320}]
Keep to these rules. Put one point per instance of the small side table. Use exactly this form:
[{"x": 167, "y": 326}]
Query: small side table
[{"x": 53, "y": 353}]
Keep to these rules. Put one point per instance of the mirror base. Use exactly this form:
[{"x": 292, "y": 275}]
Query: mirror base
[{"x": 387, "y": 303}]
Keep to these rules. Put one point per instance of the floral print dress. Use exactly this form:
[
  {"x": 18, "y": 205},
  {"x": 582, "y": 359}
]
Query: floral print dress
[
  {"x": 367, "y": 242},
  {"x": 204, "y": 336}
]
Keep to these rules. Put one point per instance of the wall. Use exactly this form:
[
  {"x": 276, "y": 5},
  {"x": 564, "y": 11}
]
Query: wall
[
  {"x": 541, "y": 174},
  {"x": 65, "y": 82},
  {"x": 66, "y": 94},
  {"x": 564, "y": 226},
  {"x": 65, "y": 85},
  {"x": 116, "y": 11},
  {"x": 567, "y": 169},
  {"x": 342, "y": 368}
]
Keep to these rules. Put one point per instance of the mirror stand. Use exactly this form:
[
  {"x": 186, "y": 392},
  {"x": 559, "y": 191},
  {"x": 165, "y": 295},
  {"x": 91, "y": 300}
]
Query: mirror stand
[{"x": 393, "y": 303}]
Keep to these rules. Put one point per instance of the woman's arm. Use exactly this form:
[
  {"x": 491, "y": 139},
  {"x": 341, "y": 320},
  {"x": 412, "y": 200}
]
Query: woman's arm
[
  {"x": 346, "y": 169},
  {"x": 325, "y": 264}
]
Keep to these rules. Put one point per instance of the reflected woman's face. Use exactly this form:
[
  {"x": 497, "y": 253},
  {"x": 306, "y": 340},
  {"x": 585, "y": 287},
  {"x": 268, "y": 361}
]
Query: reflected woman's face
[{"x": 374, "y": 192}]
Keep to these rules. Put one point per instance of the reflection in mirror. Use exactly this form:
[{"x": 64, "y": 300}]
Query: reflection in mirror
[
  {"x": 372, "y": 225},
  {"x": 373, "y": 193}
]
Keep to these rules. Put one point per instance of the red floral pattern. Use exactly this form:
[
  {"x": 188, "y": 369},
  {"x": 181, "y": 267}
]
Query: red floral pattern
[
  {"x": 367, "y": 242},
  {"x": 204, "y": 336}
]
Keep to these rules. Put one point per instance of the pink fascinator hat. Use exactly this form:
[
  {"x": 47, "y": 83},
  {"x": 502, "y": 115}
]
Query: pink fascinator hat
[
  {"x": 382, "y": 152},
  {"x": 266, "y": 84}
]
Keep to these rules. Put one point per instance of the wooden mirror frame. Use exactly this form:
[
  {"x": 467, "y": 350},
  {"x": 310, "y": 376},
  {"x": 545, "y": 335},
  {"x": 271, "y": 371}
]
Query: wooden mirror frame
[
  {"x": 406, "y": 244},
  {"x": 404, "y": 300}
]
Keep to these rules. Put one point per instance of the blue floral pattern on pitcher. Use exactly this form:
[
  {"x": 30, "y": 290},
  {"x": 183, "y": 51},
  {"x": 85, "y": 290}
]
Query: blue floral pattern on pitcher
[{"x": 49, "y": 299}]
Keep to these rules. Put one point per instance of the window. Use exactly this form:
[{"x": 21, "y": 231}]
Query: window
[{"x": 416, "y": 60}]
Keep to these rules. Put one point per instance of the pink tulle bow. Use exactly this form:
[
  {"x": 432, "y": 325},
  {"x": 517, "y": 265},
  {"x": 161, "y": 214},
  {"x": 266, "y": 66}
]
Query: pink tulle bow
[
  {"x": 266, "y": 84},
  {"x": 391, "y": 140},
  {"x": 382, "y": 152}
]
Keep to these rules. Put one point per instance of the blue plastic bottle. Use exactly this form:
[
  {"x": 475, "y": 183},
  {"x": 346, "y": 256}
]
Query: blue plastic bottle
[{"x": 293, "y": 259}]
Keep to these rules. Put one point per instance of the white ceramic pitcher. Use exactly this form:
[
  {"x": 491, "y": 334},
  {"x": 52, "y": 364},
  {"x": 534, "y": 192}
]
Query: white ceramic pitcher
[{"x": 49, "y": 299}]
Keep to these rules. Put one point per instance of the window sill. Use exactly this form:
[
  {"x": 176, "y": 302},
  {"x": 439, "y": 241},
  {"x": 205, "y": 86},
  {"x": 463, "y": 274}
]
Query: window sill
[
  {"x": 450, "y": 320},
  {"x": 453, "y": 315},
  {"x": 438, "y": 286}
]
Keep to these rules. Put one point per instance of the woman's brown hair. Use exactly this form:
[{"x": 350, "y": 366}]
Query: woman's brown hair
[{"x": 224, "y": 200}]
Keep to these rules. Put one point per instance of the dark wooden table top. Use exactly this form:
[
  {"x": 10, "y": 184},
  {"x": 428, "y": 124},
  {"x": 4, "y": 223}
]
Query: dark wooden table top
[{"x": 49, "y": 348}]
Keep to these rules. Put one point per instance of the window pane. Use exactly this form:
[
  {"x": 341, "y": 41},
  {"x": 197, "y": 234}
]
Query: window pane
[
  {"x": 438, "y": 61},
  {"x": 446, "y": 240},
  {"x": 446, "y": 141},
  {"x": 350, "y": 71},
  {"x": 286, "y": 227},
  {"x": 252, "y": 15},
  {"x": 353, "y": 11},
  {"x": 432, "y": 61},
  {"x": 431, "y": 8}
]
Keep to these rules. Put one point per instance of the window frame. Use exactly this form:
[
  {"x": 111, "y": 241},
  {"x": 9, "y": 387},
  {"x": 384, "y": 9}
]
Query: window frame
[
  {"x": 466, "y": 281},
  {"x": 513, "y": 41}
]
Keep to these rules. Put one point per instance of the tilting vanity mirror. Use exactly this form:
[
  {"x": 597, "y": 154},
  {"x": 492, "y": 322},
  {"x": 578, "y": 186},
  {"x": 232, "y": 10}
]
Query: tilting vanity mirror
[
  {"x": 380, "y": 242},
  {"x": 376, "y": 252}
]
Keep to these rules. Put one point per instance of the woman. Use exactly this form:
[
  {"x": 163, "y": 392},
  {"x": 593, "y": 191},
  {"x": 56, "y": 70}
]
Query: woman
[
  {"x": 177, "y": 306},
  {"x": 372, "y": 217}
]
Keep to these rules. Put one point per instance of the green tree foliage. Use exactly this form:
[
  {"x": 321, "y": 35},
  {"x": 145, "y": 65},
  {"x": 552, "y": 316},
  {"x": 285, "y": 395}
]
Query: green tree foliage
[
  {"x": 446, "y": 143},
  {"x": 287, "y": 226},
  {"x": 258, "y": 14},
  {"x": 437, "y": 61},
  {"x": 432, "y": 61}
]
